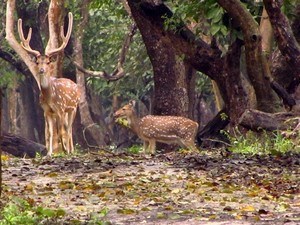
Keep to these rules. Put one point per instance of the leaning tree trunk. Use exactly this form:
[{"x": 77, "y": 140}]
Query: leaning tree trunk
[
  {"x": 285, "y": 66},
  {"x": 93, "y": 134},
  {"x": 266, "y": 98}
]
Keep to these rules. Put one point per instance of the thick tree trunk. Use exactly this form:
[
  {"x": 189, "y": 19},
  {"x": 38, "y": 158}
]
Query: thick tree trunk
[
  {"x": 265, "y": 28},
  {"x": 173, "y": 76},
  {"x": 266, "y": 98},
  {"x": 284, "y": 36},
  {"x": 285, "y": 61}
]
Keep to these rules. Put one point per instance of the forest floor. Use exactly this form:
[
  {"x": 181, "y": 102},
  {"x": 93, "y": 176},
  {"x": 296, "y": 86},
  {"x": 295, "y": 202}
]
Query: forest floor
[{"x": 172, "y": 188}]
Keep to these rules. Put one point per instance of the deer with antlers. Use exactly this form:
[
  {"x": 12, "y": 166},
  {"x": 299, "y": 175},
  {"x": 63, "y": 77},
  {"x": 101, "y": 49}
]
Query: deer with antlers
[
  {"x": 166, "y": 129},
  {"x": 59, "y": 97}
]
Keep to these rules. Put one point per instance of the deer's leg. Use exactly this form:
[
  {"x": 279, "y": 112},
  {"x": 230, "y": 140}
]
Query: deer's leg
[
  {"x": 63, "y": 135},
  {"x": 68, "y": 122},
  {"x": 190, "y": 144},
  {"x": 152, "y": 146},
  {"x": 145, "y": 146},
  {"x": 49, "y": 122},
  {"x": 71, "y": 117},
  {"x": 55, "y": 135},
  {"x": 46, "y": 133}
]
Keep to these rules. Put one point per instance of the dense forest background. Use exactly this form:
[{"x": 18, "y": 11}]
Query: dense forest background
[{"x": 204, "y": 60}]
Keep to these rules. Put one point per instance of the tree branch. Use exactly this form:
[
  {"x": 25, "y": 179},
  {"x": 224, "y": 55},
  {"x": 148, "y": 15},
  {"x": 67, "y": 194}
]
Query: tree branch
[
  {"x": 284, "y": 36},
  {"x": 198, "y": 53},
  {"x": 119, "y": 72},
  {"x": 18, "y": 64},
  {"x": 14, "y": 44}
]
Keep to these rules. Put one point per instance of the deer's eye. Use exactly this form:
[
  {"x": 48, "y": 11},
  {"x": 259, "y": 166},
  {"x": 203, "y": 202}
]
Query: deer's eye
[{"x": 52, "y": 58}]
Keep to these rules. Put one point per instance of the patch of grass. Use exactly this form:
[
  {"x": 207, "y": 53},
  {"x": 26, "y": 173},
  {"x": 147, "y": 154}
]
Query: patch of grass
[
  {"x": 19, "y": 211},
  {"x": 263, "y": 143},
  {"x": 135, "y": 149}
]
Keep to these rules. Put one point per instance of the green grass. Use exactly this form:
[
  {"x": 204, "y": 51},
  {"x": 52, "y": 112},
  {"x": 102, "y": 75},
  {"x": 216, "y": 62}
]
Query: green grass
[
  {"x": 19, "y": 211},
  {"x": 135, "y": 149},
  {"x": 263, "y": 143}
]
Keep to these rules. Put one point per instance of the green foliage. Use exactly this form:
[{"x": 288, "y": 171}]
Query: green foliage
[
  {"x": 135, "y": 149},
  {"x": 19, "y": 211},
  {"x": 261, "y": 144},
  {"x": 104, "y": 36},
  {"x": 122, "y": 122},
  {"x": 97, "y": 218},
  {"x": 288, "y": 7},
  {"x": 8, "y": 77}
]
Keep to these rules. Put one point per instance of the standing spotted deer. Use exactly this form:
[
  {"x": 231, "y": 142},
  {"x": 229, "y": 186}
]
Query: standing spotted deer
[
  {"x": 165, "y": 129},
  {"x": 59, "y": 97}
]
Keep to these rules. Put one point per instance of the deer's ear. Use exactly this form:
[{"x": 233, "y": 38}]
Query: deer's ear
[{"x": 132, "y": 103}]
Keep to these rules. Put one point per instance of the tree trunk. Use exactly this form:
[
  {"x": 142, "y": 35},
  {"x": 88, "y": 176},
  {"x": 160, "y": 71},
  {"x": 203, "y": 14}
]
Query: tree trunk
[
  {"x": 265, "y": 28},
  {"x": 266, "y": 98},
  {"x": 173, "y": 76},
  {"x": 93, "y": 134}
]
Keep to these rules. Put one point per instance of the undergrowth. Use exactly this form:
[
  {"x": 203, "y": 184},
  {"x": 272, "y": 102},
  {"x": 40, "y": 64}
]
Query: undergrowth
[
  {"x": 263, "y": 143},
  {"x": 19, "y": 211}
]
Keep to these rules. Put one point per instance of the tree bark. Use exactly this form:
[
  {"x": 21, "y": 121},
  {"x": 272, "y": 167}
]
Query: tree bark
[
  {"x": 265, "y": 96},
  {"x": 21, "y": 147},
  {"x": 10, "y": 37},
  {"x": 94, "y": 135},
  {"x": 258, "y": 120},
  {"x": 173, "y": 75},
  {"x": 284, "y": 36},
  {"x": 210, "y": 135},
  {"x": 265, "y": 28}
]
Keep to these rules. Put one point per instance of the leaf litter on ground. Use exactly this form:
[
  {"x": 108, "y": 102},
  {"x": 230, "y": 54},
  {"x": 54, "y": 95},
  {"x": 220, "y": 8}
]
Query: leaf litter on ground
[{"x": 170, "y": 188}]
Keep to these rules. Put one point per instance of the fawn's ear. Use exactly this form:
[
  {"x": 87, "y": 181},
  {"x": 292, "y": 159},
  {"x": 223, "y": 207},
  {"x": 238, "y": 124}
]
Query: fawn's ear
[{"x": 132, "y": 103}]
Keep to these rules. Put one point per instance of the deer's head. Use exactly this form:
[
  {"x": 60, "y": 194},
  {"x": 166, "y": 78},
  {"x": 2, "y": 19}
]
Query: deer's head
[
  {"x": 45, "y": 62},
  {"x": 127, "y": 111}
]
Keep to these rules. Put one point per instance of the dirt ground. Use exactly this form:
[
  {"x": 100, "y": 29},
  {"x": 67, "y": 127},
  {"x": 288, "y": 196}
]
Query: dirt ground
[{"x": 174, "y": 188}]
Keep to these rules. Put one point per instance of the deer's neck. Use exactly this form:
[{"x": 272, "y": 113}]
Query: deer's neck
[
  {"x": 46, "y": 85},
  {"x": 133, "y": 122}
]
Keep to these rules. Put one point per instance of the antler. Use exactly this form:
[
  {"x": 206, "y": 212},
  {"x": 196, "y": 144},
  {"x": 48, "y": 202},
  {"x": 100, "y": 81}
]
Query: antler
[
  {"x": 25, "y": 41},
  {"x": 63, "y": 37}
]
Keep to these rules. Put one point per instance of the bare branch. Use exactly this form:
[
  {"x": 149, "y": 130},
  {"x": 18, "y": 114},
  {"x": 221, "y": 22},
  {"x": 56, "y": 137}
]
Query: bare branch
[{"x": 119, "y": 72}]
